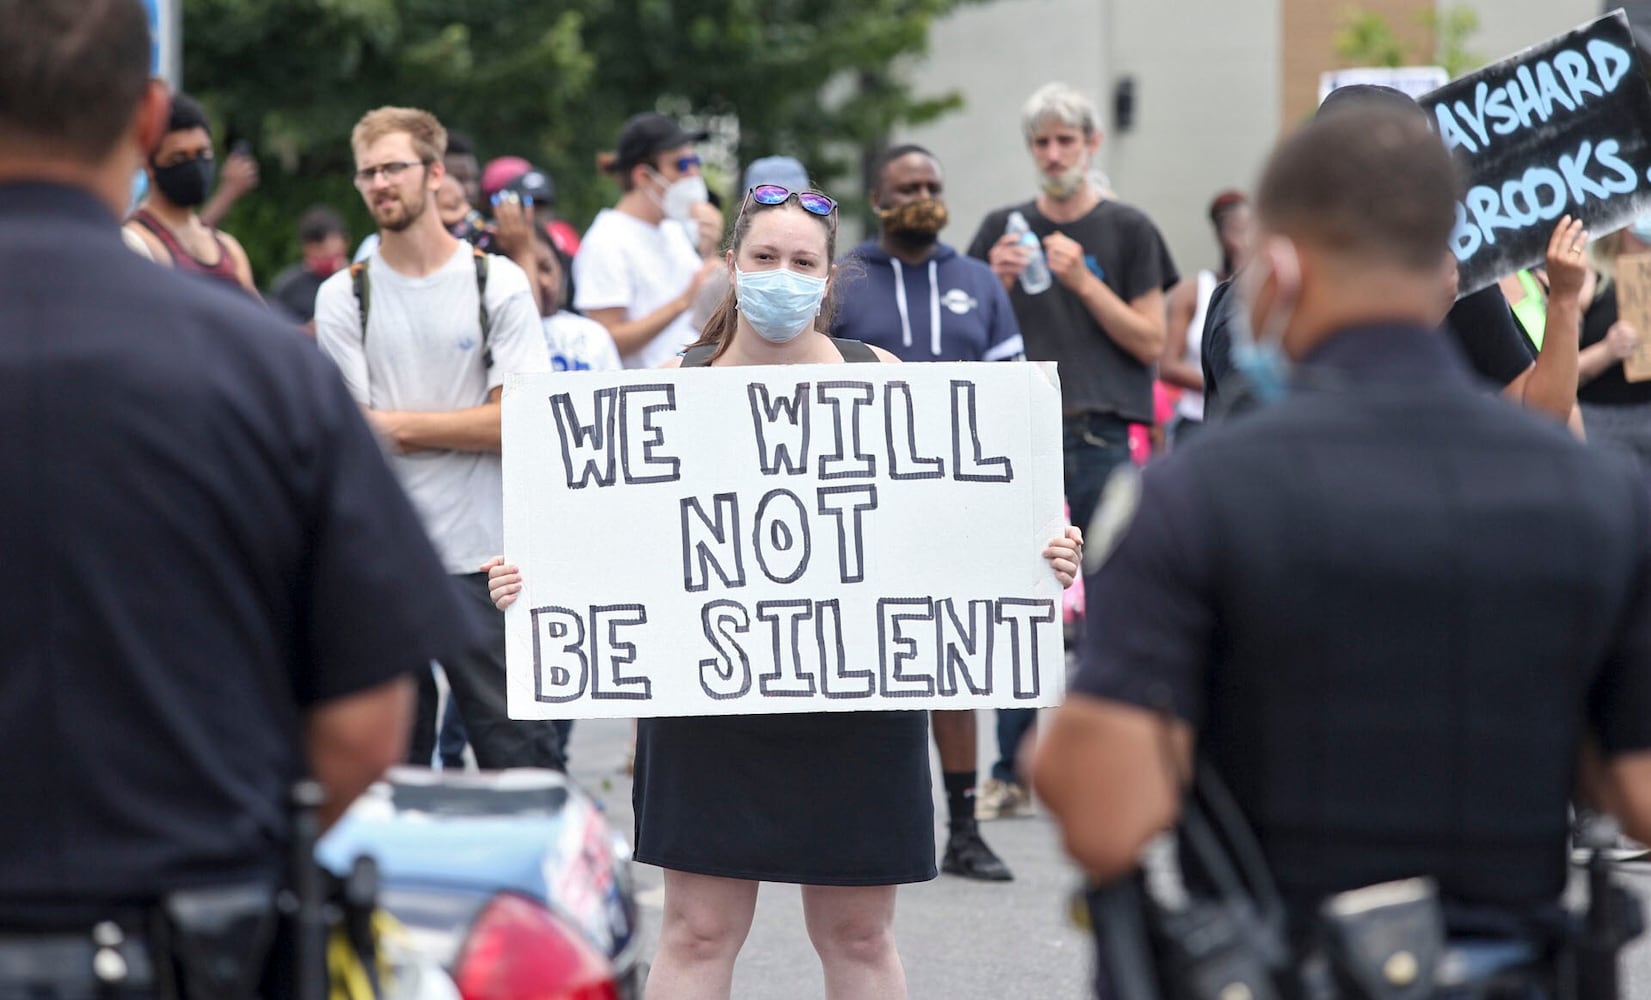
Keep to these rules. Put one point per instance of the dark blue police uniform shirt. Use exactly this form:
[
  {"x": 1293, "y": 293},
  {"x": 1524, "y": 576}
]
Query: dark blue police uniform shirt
[
  {"x": 1388, "y": 605},
  {"x": 201, "y": 541}
]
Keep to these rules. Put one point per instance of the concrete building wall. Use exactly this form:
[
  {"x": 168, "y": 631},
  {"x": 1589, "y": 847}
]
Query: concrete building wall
[
  {"x": 1506, "y": 26},
  {"x": 1207, "y": 95}
]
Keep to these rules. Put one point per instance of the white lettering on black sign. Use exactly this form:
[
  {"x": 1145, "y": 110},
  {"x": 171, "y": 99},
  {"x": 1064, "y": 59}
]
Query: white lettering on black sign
[{"x": 1563, "y": 128}]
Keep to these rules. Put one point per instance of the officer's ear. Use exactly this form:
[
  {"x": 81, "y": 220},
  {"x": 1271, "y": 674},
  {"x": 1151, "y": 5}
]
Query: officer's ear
[
  {"x": 153, "y": 113},
  {"x": 1283, "y": 262}
]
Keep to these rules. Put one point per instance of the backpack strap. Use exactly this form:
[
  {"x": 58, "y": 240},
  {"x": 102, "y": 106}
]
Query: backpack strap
[
  {"x": 363, "y": 298},
  {"x": 481, "y": 306},
  {"x": 855, "y": 352},
  {"x": 698, "y": 357},
  {"x": 358, "y": 281}
]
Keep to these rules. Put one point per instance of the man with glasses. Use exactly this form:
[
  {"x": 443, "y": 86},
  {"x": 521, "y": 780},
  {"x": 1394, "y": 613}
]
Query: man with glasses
[
  {"x": 424, "y": 332},
  {"x": 638, "y": 270}
]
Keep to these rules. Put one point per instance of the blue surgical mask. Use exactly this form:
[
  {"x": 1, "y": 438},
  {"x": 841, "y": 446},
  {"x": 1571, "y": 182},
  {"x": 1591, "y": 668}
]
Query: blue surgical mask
[
  {"x": 1641, "y": 228},
  {"x": 1260, "y": 359},
  {"x": 779, "y": 304}
]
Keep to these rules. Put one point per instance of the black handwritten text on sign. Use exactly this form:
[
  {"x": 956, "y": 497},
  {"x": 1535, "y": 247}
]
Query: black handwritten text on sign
[
  {"x": 1561, "y": 128},
  {"x": 795, "y": 539}
]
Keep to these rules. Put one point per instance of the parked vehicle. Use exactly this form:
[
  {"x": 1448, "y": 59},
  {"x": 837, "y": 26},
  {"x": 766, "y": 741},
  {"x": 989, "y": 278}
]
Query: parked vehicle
[{"x": 513, "y": 881}]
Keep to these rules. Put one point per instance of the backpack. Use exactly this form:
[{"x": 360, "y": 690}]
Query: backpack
[{"x": 358, "y": 281}]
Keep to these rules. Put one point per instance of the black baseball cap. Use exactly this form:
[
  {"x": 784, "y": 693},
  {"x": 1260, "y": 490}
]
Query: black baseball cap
[{"x": 647, "y": 135}]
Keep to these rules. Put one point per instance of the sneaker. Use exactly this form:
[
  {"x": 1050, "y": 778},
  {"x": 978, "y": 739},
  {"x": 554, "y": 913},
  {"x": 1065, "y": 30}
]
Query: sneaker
[
  {"x": 1002, "y": 800},
  {"x": 967, "y": 855}
]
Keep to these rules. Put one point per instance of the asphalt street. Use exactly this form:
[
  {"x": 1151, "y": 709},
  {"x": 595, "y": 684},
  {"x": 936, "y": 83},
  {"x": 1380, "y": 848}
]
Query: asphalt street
[{"x": 960, "y": 940}]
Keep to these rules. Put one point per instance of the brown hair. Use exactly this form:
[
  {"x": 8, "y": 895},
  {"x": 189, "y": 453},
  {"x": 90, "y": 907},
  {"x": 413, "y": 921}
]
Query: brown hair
[
  {"x": 72, "y": 73},
  {"x": 1371, "y": 182},
  {"x": 719, "y": 329},
  {"x": 429, "y": 138}
]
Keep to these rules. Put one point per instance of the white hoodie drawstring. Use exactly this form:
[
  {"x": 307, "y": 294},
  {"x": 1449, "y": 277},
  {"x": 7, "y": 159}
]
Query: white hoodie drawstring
[
  {"x": 934, "y": 306},
  {"x": 900, "y": 300}
]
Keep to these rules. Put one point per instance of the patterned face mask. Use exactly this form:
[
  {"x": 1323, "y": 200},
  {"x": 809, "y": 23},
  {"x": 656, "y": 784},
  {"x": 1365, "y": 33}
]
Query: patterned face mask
[{"x": 916, "y": 220}]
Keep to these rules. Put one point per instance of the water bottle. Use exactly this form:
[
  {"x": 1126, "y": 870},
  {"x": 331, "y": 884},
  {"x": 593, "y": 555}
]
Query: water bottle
[{"x": 1036, "y": 278}]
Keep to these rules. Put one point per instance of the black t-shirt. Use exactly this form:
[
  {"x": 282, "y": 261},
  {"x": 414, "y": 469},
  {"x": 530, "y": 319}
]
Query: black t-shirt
[
  {"x": 1386, "y": 631},
  {"x": 294, "y": 290},
  {"x": 202, "y": 542},
  {"x": 1486, "y": 331},
  {"x": 1124, "y": 249},
  {"x": 1611, "y": 386},
  {"x": 1481, "y": 326}
]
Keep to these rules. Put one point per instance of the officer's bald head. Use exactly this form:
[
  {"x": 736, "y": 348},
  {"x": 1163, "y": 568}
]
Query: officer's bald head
[
  {"x": 72, "y": 74},
  {"x": 1368, "y": 183}
]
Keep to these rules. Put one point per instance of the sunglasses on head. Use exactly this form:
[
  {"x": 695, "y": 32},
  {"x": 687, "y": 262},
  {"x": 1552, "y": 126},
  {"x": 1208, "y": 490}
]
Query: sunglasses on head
[{"x": 773, "y": 194}]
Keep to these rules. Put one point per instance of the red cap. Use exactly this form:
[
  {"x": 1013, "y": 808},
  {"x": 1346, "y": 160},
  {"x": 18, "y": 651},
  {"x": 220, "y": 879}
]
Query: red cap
[{"x": 502, "y": 171}]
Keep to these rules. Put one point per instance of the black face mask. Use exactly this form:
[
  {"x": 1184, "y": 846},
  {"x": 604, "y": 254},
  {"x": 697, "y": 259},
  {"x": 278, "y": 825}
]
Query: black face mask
[{"x": 185, "y": 184}]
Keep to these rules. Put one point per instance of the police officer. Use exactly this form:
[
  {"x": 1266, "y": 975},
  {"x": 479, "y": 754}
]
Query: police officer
[
  {"x": 1388, "y": 634},
  {"x": 212, "y": 584}
]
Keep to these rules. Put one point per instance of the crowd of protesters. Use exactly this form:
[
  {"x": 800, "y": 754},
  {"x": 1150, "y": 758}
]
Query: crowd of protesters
[{"x": 472, "y": 275}]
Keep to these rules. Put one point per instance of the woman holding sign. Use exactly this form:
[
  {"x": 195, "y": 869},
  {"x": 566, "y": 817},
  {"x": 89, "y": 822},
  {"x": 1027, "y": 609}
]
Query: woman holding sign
[
  {"x": 1616, "y": 407},
  {"x": 839, "y": 803}
]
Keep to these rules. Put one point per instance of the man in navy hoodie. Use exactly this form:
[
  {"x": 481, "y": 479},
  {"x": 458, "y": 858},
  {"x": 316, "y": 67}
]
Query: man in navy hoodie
[{"x": 923, "y": 301}]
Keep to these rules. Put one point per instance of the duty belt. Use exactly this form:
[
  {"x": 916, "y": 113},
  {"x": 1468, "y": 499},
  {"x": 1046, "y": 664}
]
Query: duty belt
[{"x": 104, "y": 957}]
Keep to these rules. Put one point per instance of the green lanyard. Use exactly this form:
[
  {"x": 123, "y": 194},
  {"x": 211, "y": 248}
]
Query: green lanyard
[{"x": 1532, "y": 310}]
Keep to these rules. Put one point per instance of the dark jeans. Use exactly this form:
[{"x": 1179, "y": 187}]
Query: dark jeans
[
  {"x": 451, "y": 738},
  {"x": 1094, "y": 445},
  {"x": 477, "y": 680}
]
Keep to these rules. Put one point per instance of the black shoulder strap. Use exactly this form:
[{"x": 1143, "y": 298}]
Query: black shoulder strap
[
  {"x": 358, "y": 281},
  {"x": 698, "y": 356},
  {"x": 855, "y": 352},
  {"x": 481, "y": 306}
]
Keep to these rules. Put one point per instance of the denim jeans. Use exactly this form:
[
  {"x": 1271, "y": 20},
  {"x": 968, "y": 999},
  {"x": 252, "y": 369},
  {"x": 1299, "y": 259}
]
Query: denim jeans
[{"x": 1094, "y": 444}]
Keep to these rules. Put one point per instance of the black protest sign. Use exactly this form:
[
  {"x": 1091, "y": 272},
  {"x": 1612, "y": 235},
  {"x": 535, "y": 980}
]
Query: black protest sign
[{"x": 1562, "y": 128}]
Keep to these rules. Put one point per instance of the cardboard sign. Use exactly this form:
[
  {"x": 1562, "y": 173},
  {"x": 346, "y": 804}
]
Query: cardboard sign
[
  {"x": 802, "y": 538},
  {"x": 1414, "y": 81},
  {"x": 1561, "y": 128},
  {"x": 1633, "y": 281}
]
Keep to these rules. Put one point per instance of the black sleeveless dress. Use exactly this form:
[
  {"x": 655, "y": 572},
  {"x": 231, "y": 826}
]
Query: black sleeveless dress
[{"x": 828, "y": 798}]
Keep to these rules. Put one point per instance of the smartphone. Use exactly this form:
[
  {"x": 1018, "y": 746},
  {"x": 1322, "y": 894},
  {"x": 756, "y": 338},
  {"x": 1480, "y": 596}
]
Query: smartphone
[{"x": 241, "y": 148}]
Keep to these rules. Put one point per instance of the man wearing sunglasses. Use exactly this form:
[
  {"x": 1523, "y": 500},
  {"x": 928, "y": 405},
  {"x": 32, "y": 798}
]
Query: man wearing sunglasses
[
  {"x": 638, "y": 270},
  {"x": 921, "y": 300}
]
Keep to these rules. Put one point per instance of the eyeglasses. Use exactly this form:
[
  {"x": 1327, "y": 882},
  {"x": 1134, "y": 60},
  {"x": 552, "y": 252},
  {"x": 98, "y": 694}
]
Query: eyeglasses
[
  {"x": 687, "y": 163},
  {"x": 391, "y": 171},
  {"x": 773, "y": 194}
]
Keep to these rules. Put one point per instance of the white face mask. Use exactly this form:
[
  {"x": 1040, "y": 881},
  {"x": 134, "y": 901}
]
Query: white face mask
[{"x": 681, "y": 196}]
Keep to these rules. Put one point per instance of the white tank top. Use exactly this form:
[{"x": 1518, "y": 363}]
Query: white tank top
[{"x": 1191, "y": 405}]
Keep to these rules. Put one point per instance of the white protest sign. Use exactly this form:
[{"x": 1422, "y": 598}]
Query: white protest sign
[
  {"x": 1413, "y": 81},
  {"x": 802, "y": 538}
]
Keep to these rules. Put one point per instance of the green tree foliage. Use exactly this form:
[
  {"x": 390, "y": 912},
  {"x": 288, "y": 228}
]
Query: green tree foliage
[
  {"x": 549, "y": 81},
  {"x": 1368, "y": 39}
]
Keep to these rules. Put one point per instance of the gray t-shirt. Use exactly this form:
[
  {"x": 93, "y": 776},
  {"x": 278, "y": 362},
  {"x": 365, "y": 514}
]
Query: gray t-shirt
[{"x": 424, "y": 352}]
